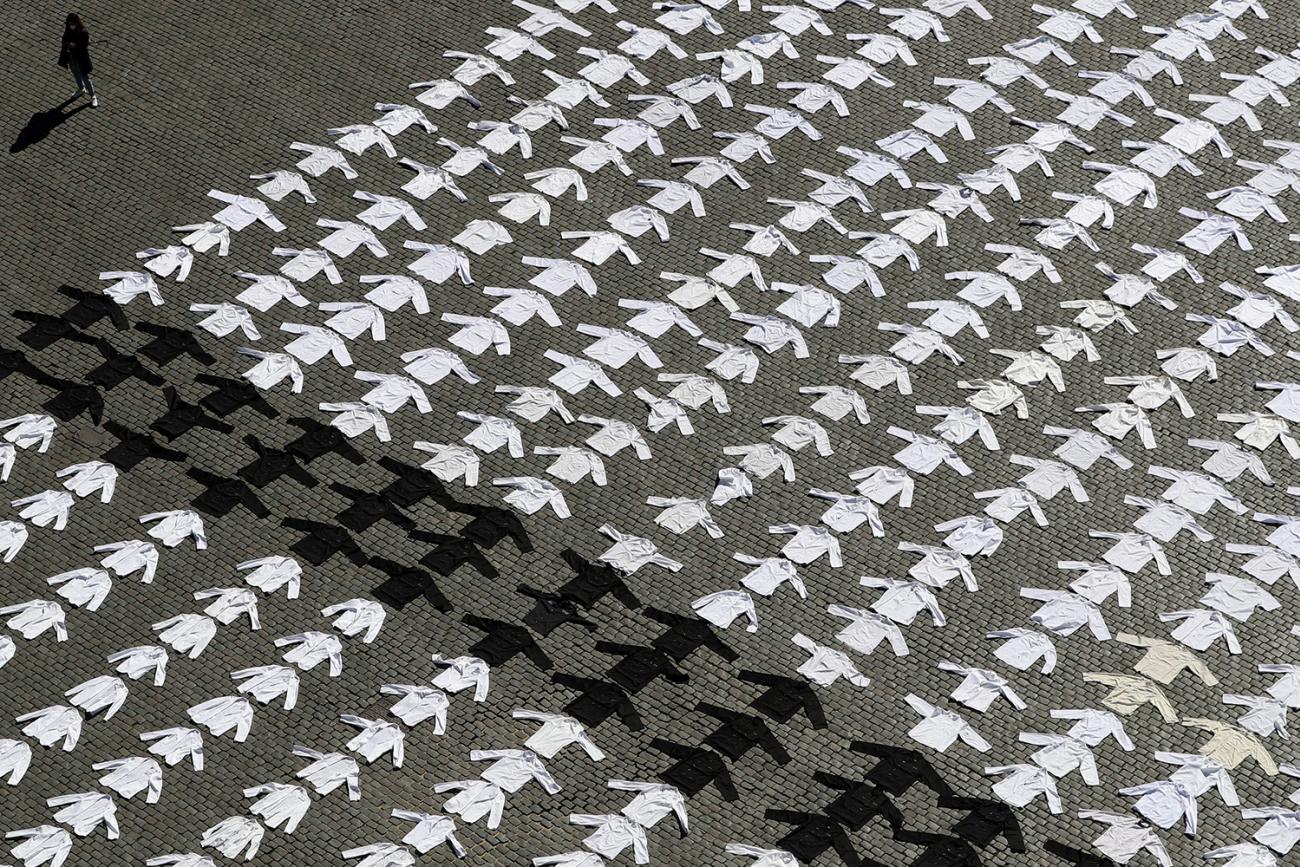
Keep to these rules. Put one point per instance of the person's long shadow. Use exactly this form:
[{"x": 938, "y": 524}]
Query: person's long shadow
[{"x": 42, "y": 124}]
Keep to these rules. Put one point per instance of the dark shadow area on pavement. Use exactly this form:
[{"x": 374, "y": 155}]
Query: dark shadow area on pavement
[{"x": 42, "y": 123}]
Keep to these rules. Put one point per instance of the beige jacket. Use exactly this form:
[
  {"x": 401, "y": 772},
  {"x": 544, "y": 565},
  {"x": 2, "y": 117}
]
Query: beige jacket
[
  {"x": 1128, "y": 693},
  {"x": 1165, "y": 660}
]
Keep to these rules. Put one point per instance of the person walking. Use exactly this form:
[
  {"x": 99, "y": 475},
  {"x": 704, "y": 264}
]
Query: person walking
[{"x": 75, "y": 56}]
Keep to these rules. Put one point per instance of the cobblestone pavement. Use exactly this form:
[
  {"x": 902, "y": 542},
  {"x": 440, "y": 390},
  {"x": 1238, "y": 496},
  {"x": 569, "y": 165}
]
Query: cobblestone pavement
[{"x": 196, "y": 98}]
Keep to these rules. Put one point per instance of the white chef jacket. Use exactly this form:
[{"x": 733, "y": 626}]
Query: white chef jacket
[
  {"x": 136, "y": 662},
  {"x": 939, "y": 729},
  {"x": 1200, "y": 628},
  {"x": 277, "y": 185},
  {"x": 376, "y": 738},
  {"x": 835, "y": 402},
  {"x": 938, "y": 566},
  {"x": 186, "y": 633},
  {"x": 849, "y": 512},
  {"x": 573, "y": 464},
  {"x": 1047, "y": 478},
  {"x": 970, "y": 535},
  {"x": 530, "y": 495},
  {"x": 533, "y": 404},
  {"x": 461, "y": 673},
  {"x": 268, "y": 682},
  {"x": 980, "y": 687},
  {"x": 724, "y": 607},
  {"x": 924, "y": 454},
  {"x": 1099, "y": 582},
  {"x": 391, "y": 392},
  {"x": 1236, "y": 596},
  {"x": 220, "y": 715},
  {"x": 313, "y": 343},
  {"x": 431, "y": 830},
  {"x": 176, "y": 526},
  {"x": 1092, "y": 727},
  {"x": 827, "y": 665},
  {"x": 867, "y": 630},
  {"x": 557, "y": 732},
  {"x": 357, "y": 138},
  {"x": 330, "y": 770},
  {"x": 430, "y": 179},
  {"x": 985, "y": 288},
  {"x": 653, "y": 803},
  {"x": 175, "y": 745},
  {"x": 1163, "y": 803},
  {"x": 630, "y": 553},
  {"x": 1126, "y": 837},
  {"x": 1061, "y": 754},
  {"x": 1021, "y": 648},
  {"x": 882, "y": 484},
  {"x": 769, "y": 573},
  {"x": 492, "y": 433},
  {"x": 438, "y": 262},
  {"x": 320, "y": 160},
  {"x": 1267, "y": 563},
  {"x": 1064, "y": 613},
  {"x": 613, "y": 833},
  {"x": 614, "y": 436},
  {"x": 355, "y": 419},
  {"x": 86, "y": 587},
  {"x": 902, "y": 601},
  {"x": 131, "y": 776},
  {"x": 419, "y": 703},
  {"x": 432, "y": 365},
  {"x": 808, "y": 543}
]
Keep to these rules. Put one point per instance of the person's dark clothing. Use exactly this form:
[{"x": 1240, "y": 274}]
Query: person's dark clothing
[
  {"x": 452, "y": 552},
  {"x": 695, "y": 769},
  {"x": 323, "y": 541},
  {"x": 785, "y": 697},
  {"x": 92, "y": 307},
  {"x": 223, "y": 495},
  {"x": 1077, "y": 857},
  {"x": 741, "y": 732},
  {"x": 181, "y": 417},
  {"x": 405, "y": 584},
  {"x": 75, "y": 51},
  {"x": 985, "y": 821},
  {"x": 492, "y": 524},
  {"x": 686, "y": 635},
  {"x": 232, "y": 395},
  {"x": 169, "y": 344},
  {"x": 73, "y": 399},
  {"x": 368, "y": 509},
  {"x": 551, "y": 611},
  {"x": 119, "y": 367},
  {"x": 320, "y": 439},
  {"x": 272, "y": 464},
  {"x": 815, "y": 834},
  {"x": 133, "y": 448},
  {"x": 593, "y": 581},
  {"x": 504, "y": 641},
  {"x": 46, "y": 330},
  {"x": 599, "y": 700},
  {"x": 858, "y": 802},
  {"x": 639, "y": 665},
  {"x": 17, "y": 361},
  {"x": 940, "y": 850},
  {"x": 899, "y": 768},
  {"x": 413, "y": 484}
]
